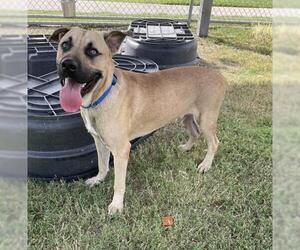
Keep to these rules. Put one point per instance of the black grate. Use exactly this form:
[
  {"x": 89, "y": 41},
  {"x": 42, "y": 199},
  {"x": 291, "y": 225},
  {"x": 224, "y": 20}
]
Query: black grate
[
  {"x": 41, "y": 55},
  {"x": 12, "y": 78},
  {"x": 12, "y": 96},
  {"x": 160, "y": 31},
  {"x": 43, "y": 95},
  {"x": 136, "y": 64},
  {"x": 12, "y": 40},
  {"x": 12, "y": 52}
]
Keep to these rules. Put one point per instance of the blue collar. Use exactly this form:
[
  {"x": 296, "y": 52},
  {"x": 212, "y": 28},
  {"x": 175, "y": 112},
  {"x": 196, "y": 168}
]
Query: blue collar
[{"x": 104, "y": 94}]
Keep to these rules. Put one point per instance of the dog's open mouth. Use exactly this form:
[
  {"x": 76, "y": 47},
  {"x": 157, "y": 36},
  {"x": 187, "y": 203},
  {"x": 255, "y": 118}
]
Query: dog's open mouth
[{"x": 71, "y": 94}]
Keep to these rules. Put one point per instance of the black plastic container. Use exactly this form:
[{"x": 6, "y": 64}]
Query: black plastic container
[
  {"x": 58, "y": 143},
  {"x": 167, "y": 42},
  {"x": 41, "y": 55},
  {"x": 12, "y": 55},
  {"x": 13, "y": 127},
  {"x": 13, "y": 145}
]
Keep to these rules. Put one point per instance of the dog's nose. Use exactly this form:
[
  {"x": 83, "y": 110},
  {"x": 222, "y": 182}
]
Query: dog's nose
[{"x": 69, "y": 65}]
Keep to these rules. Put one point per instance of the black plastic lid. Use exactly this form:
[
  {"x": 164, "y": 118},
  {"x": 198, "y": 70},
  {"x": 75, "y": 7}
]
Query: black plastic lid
[
  {"x": 157, "y": 31},
  {"x": 168, "y": 42}
]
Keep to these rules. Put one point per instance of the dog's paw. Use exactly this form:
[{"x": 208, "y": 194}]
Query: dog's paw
[
  {"x": 94, "y": 180},
  {"x": 115, "y": 207},
  {"x": 185, "y": 147},
  {"x": 204, "y": 167}
]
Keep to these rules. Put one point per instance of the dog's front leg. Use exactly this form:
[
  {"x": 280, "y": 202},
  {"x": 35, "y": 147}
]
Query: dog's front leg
[
  {"x": 103, "y": 162},
  {"x": 121, "y": 156}
]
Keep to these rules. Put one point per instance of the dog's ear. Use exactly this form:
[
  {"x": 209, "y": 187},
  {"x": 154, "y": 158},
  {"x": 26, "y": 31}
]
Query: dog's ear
[
  {"x": 114, "y": 39},
  {"x": 58, "y": 34}
]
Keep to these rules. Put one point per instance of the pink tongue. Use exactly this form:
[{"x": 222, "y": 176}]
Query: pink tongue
[{"x": 70, "y": 96}]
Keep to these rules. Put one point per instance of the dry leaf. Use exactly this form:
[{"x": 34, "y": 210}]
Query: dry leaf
[{"x": 167, "y": 221}]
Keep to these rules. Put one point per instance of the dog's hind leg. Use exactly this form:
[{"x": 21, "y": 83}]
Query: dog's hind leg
[
  {"x": 193, "y": 132},
  {"x": 103, "y": 163},
  {"x": 208, "y": 126}
]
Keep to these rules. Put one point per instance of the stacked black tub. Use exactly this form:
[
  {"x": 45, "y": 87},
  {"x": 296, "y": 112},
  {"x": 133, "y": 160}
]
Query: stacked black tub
[
  {"x": 58, "y": 143},
  {"x": 12, "y": 106},
  {"x": 169, "y": 43}
]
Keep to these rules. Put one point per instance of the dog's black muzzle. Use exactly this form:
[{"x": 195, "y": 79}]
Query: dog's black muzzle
[
  {"x": 72, "y": 68},
  {"x": 69, "y": 66}
]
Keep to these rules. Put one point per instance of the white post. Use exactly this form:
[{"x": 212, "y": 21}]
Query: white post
[{"x": 68, "y": 8}]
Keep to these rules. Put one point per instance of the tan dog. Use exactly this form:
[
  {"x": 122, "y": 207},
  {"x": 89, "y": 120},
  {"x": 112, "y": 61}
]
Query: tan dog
[{"x": 137, "y": 104}]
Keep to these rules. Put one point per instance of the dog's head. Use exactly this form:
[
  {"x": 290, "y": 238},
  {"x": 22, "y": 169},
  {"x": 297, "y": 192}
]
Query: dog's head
[{"x": 83, "y": 59}]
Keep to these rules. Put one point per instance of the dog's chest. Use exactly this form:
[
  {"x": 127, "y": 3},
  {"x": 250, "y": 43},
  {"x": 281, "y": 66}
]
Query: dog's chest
[
  {"x": 93, "y": 121},
  {"x": 90, "y": 124}
]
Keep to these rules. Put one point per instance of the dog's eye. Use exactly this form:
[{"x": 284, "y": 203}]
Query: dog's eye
[
  {"x": 92, "y": 52},
  {"x": 65, "y": 46}
]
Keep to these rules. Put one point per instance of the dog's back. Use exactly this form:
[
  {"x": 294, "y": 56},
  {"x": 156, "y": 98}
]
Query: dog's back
[{"x": 166, "y": 95}]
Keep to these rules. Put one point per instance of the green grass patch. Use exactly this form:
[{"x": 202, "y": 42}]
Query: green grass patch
[
  {"x": 100, "y": 17},
  {"x": 230, "y": 207},
  {"x": 227, "y": 3},
  {"x": 286, "y": 4},
  {"x": 13, "y": 213},
  {"x": 81, "y": 17},
  {"x": 243, "y": 3},
  {"x": 256, "y": 38},
  {"x": 99, "y": 14}
]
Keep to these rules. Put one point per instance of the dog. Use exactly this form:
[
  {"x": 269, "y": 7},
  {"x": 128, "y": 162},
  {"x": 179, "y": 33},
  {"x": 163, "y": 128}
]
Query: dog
[{"x": 118, "y": 106}]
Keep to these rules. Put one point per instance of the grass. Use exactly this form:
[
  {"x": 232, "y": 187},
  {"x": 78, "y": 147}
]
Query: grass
[
  {"x": 286, "y": 4},
  {"x": 257, "y": 38},
  {"x": 13, "y": 213},
  {"x": 82, "y": 18},
  {"x": 45, "y": 17},
  {"x": 227, "y": 208},
  {"x": 226, "y": 3}
]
